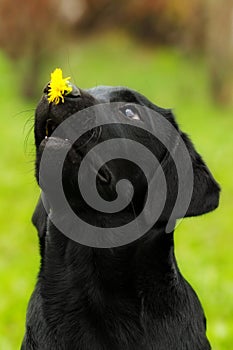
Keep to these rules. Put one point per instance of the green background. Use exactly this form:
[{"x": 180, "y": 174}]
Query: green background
[{"x": 170, "y": 79}]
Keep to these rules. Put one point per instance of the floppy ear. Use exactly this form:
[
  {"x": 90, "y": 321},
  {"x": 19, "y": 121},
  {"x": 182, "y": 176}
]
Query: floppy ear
[{"x": 204, "y": 194}]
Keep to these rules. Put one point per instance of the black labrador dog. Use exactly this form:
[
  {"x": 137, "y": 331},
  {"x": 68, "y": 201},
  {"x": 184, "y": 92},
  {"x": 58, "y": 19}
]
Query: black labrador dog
[{"x": 130, "y": 297}]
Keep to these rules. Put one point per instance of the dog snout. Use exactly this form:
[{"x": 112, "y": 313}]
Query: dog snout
[{"x": 50, "y": 114}]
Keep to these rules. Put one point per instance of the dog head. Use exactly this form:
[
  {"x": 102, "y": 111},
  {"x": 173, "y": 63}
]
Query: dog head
[{"x": 131, "y": 111}]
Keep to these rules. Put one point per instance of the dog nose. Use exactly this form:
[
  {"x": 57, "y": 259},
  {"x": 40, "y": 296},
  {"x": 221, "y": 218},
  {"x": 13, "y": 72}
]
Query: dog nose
[{"x": 74, "y": 93}]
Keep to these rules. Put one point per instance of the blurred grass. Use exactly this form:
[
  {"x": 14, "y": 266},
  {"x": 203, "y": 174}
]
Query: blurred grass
[{"x": 170, "y": 79}]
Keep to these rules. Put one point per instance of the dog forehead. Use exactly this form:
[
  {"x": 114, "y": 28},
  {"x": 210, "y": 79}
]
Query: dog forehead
[
  {"x": 106, "y": 94},
  {"x": 114, "y": 94}
]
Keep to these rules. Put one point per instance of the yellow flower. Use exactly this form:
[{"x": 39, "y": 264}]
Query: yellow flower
[{"x": 58, "y": 87}]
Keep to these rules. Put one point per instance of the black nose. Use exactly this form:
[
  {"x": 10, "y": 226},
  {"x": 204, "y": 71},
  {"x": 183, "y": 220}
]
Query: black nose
[{"x": 74, "y": 93}]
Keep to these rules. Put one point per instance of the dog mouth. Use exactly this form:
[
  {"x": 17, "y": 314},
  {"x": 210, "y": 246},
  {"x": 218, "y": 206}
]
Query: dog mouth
[
  {"x": 90, "y": 137},
  {"x": 76, "y": 150},
  {"x": 52, "y": 135}
]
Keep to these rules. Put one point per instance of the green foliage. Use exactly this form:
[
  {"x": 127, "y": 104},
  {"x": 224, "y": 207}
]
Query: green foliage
[{"x": 203, "y": 244}]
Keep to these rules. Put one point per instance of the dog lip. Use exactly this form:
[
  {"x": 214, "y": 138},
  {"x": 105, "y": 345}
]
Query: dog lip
[
  {"x": 58, "y": 142},
  {"x": 95, "y": 136},
  {"x": 105, "y": 176}
]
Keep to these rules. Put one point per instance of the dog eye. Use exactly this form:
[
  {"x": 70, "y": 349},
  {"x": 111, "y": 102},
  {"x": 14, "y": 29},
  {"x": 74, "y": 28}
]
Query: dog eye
[{"x": 130, "y": 112}]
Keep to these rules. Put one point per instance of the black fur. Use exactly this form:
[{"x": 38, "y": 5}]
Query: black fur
[{"x": 126, "y": 298}]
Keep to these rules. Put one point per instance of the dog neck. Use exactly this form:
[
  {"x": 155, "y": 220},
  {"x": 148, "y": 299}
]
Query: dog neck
[
  {"x": 111, "y": 269},
  {"x": 76, "y": 280}
]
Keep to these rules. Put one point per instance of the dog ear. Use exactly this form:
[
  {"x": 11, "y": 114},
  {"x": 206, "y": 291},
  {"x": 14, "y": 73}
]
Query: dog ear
[
  {"x": 205, "y": 196},
  {"x": 39, "y": 219},
  {"x": 204, "y": 193}
]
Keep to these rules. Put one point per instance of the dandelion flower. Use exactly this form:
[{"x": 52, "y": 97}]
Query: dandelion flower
[{"x": 58, "y": 87}]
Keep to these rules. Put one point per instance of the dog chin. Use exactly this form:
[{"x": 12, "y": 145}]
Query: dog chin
[{"x": 55, "y": 146}]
